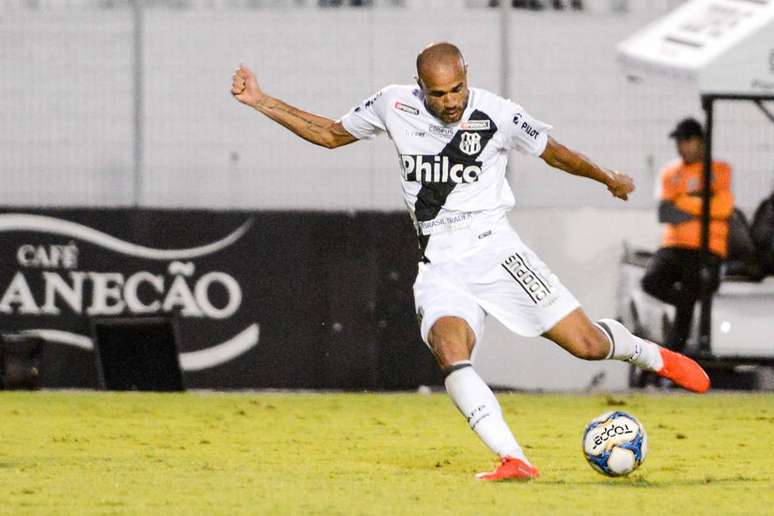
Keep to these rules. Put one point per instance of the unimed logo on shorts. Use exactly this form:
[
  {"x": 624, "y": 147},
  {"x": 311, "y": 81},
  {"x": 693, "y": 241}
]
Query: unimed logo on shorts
[{"x": 533, "y": 284}]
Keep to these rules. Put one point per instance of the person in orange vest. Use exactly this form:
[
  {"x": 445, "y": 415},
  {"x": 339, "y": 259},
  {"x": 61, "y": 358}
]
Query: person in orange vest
[{"x": 674, "y": 274}]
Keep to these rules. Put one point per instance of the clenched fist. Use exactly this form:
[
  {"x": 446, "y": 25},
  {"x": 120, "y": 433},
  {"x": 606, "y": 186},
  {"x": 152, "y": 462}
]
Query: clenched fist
[
  {"x": 244, "y": 87},
  {"x": 620, "y": 185}
]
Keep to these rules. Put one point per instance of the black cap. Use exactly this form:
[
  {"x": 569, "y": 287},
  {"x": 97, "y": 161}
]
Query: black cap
[{"x": 687, "y": 128}]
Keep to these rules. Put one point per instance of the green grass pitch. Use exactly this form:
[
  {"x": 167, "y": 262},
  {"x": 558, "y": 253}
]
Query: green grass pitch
[{"x": 298, "y": 453}]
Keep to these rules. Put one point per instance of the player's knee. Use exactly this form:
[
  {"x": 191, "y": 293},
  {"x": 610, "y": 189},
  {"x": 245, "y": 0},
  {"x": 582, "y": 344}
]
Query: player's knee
[
  {"x": 451, "y": 341},
  {"x": 448, "y": 351}
]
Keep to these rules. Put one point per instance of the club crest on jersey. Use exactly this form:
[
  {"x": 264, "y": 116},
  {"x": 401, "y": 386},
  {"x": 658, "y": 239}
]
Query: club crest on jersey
[
  {"x": 406, "y": 109},
  {"x": 470, "y": 143},
  {"x": 475, "y": 125},
  {"x": 438, "y": 169}
]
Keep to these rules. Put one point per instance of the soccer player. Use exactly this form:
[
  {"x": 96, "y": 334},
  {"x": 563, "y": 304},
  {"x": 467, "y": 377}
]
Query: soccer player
[{"x": 453, "y": 142}]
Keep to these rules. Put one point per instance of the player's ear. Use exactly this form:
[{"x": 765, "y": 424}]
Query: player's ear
[{"x": 419, "y": 83}]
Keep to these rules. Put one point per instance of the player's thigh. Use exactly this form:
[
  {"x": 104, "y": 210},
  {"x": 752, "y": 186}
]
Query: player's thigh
[
  {"x": 519, "y": 290},
  {"x": 444, "y": 305},
  {"x": 579, "y": 336}
]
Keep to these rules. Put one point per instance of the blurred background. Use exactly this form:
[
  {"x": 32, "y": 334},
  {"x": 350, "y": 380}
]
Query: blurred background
[{"x": 112, "y": 108}]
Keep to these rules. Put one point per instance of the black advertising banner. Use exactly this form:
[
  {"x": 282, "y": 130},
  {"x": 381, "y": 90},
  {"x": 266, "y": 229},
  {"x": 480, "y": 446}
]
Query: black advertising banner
[{"x": 261, "y": 299}]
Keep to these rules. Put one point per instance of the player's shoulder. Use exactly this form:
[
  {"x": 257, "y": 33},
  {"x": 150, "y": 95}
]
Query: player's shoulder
[
  {"x": 397, "y": 96},
  {"x": 499, "y": 108},
  {"x": 482, "y": 98},
  {"x": 399, "y": 92}
]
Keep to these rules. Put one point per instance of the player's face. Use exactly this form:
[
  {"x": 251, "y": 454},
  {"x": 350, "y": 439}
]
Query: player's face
[
  {"x": 691, "y": 150},
  {"x": 446, "y": 92}
]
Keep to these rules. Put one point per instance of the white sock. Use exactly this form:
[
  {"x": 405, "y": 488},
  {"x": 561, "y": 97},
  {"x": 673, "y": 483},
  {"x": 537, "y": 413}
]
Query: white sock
[
  {"x": 630, "y": 348},
  {"x": 476, "y": 401}
]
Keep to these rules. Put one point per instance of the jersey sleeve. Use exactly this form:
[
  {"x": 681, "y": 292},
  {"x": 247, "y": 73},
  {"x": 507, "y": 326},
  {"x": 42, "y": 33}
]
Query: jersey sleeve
[
  {"x": 524, "y": 132},
  {"x": 366, "y": 120}
]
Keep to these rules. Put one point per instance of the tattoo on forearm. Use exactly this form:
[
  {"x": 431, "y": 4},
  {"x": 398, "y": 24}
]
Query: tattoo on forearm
[
  {"x": 308, "y": 122},
  {"x": 313, "y": 128}
]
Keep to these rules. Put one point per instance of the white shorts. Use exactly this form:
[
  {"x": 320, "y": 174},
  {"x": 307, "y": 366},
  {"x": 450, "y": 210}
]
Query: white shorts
[{"x": 492, "y": 273}]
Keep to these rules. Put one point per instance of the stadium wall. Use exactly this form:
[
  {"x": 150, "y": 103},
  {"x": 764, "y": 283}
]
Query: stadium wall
[
  {"x": 259, "y": 299},
  {"x": 67, "y": 134},
  {"x": 280, "y": 299},
  {"x": 67, "y": 137}
]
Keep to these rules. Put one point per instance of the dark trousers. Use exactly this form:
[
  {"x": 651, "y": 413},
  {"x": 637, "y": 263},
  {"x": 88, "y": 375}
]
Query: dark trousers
[{"x": 674, "y": 276}]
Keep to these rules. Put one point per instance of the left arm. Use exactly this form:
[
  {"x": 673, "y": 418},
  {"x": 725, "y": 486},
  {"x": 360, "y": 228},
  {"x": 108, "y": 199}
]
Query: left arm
[{"x": 559, "y": 156}]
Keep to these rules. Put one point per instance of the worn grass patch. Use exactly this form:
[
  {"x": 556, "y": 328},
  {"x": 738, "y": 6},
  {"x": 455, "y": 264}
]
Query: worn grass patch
[{"x": 273, "y": 453}]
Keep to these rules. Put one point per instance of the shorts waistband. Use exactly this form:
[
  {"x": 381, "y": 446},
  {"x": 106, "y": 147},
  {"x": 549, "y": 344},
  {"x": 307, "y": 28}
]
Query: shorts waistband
[{"x": 454, "y": 243}]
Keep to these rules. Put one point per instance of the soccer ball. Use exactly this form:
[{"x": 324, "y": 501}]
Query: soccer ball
[{"x": 615, "y": 443}]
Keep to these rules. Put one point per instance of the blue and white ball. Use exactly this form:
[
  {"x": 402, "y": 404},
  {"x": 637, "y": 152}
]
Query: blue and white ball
[{"x": 615, "y": 443}]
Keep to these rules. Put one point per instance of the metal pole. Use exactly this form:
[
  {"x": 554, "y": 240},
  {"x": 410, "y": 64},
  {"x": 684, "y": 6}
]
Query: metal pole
[
  {"x": 705, "y": 322},
  {"x": 137, "y": 69}
]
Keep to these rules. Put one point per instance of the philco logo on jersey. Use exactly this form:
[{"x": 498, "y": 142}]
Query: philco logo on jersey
[
  {"x": 406, "y": 109},
  {"x": 475, "y": 125},
  {"x": 438, "y": 169}
]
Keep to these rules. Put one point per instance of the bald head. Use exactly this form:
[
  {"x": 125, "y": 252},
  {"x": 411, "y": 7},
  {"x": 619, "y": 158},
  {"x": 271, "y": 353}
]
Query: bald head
[
  {"x": 439, "y": 57},
  {"x": 442, "y": 76}
]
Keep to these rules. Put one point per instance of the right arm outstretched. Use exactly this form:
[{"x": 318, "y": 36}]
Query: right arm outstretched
[{"x": 312, "y": 128}]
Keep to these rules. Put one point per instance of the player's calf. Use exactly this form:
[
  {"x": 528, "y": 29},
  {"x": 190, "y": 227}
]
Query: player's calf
[{"x": 580, "y": 337}]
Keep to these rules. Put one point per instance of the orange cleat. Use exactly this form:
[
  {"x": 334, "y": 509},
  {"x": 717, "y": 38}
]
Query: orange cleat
[
  {"x": 510, "y": 468},
  {"x": 683, "y": 371}
]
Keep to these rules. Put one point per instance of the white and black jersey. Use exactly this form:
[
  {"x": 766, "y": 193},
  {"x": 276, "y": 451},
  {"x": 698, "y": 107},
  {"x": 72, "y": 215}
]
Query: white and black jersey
[{"x": 452, "y": 174}]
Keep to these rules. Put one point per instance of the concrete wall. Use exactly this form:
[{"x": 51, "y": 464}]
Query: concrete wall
[
  {"x": 66, "y": 93},
  {"x": 66, "y": 108}
]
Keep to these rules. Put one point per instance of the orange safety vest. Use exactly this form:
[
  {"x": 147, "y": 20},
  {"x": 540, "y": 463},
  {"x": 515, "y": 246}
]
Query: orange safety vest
[{"x": 682, "y": 185}]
